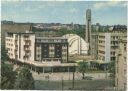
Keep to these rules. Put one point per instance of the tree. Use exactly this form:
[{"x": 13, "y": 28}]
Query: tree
[
  {"x": 83, "y": 67},
  {"x": 8, "y": 76},
  {"x": 111, "y": 69},
  {"x": 79, "y": 31},
  {"x": 24, "y": 80},
  {"x": 4, "y": 56}
]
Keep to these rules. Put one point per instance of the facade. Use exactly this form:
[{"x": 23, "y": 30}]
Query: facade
[
  {"x": 88, "y": 30},
  {"x": 20, "y": 46},
  {"x": 94, "y": 45},
  {"x": 77, "y": 45},
  {"x": 121, "y": 66},
  {"x": 104, "y": 44},
  {"x": 51, "y": 49},
  {"x": 28, "y": 47},
  {"x": 107, "y": 45}
]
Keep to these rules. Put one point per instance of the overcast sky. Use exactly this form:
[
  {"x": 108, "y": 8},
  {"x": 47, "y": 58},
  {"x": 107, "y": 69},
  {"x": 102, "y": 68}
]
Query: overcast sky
[{"x": 105, "y": 13}]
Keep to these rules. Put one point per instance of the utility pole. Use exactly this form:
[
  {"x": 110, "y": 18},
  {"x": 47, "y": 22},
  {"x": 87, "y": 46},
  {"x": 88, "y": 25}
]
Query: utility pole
[
  {"x": 73, "y": 77},
  {"x": 73, "y": 81},
  {"x": 62, "y": 83}
]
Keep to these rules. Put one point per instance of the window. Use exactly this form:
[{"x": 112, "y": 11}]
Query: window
[
  {"x": 38, "y": 45},
  {"x": 38, "y": 55}
]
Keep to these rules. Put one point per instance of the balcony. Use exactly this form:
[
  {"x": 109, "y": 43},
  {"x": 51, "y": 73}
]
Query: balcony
[
  {"x": 16, "y": 56},
  {"x": 26, "y": 47},
  {"x": 26, "y": 57},
  {"x": 26, "y": 38},
  {"x": 15, "y": 51},
  {"x": 27, "y": 54},
  {"x": 16, "y": 46},
  {"x": 27, "y": 42},
  {"x": 27, "y": 51}
]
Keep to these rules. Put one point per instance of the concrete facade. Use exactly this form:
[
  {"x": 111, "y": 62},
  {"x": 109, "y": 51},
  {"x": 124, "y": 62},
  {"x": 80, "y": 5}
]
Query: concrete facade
[
  {"x": 121, "y": 66},
  {"x": 104, "y": 44},
  {"x": 88, "y": 30},
  {"x": 20, "y": 46},
  {"x": 28, "y": 47},
  {"x": 107, "y": 45}
]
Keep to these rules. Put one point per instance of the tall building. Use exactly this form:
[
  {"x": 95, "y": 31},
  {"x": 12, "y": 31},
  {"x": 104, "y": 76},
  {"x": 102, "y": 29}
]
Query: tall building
[
  {"x": 121, "y": 66},
  {"x": 88, "y": 30}
]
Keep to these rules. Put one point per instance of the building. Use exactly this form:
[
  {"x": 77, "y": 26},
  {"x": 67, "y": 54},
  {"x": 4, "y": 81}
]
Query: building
[
  {"x": 12, "y": 28},
  {"x": 40, "y": 52},
  {"x": 108, "y": 42},
  {"x": 88, "y": 30},
  {"x": 51, "y": 49},
  {"x": 77, "y": 45},
  {"x": 121, "y": 66},
  {"x": 27, "y": 47},
  {"x": 94, "y": 51}
]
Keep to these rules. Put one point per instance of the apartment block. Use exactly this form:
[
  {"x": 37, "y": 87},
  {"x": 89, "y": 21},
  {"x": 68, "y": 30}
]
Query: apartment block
[
  {"x": 104, "y": 44},
  {"x": 20, "y": 46},
  {"x": 107, "y": 45},
  {"x": 28, "y": 47}
]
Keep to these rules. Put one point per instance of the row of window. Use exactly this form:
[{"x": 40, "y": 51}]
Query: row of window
[
  {"x": 101, "y": 41},
  {"x": 102, "y": 37},
  {"x": 115, "y": 37},
  {"x": 113, "y": 53},
  {"x": 9, "y": 40},
  {"x": 9, "y": 49},
  {"x": 10, "y": 35},
  {"x": 9, "y": 44},
  {"x": 10, "y": 54}
]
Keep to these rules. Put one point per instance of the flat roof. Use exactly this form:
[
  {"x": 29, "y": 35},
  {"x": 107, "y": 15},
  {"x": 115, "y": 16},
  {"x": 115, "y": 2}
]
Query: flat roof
[
  {"x": 48, "y": 64},
  {"x": 50, "y": 38},
  {"x": 20, "y": 32}
]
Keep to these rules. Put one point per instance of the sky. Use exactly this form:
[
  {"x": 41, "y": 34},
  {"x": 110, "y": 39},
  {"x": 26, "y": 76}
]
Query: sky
[{"x": 103, "y": 12}]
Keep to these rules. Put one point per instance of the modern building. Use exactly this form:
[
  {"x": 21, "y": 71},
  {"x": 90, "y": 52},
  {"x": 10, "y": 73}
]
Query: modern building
[
  {"x": 88, "y": 30},
  {"x": 121, "y": 66},
  {"x": 27, "y": 47},
  {"x": 104, "y": 44},
  {"x": 77, "y": 45},
  {"x": 51, "y": 49},
  {"x": 107, "y": 45},
  {"x": 38, "y": 52}
]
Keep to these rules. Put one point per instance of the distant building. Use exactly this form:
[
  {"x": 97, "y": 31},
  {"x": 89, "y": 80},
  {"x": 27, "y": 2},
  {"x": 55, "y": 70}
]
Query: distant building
[
  {"x": 97, "y": 27},
  {"x": 7, "y": 22},
  {"x": 88, "y": 30},
  {"x": 121, "y": 66},
  {"x": 77, "y": 45}
]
